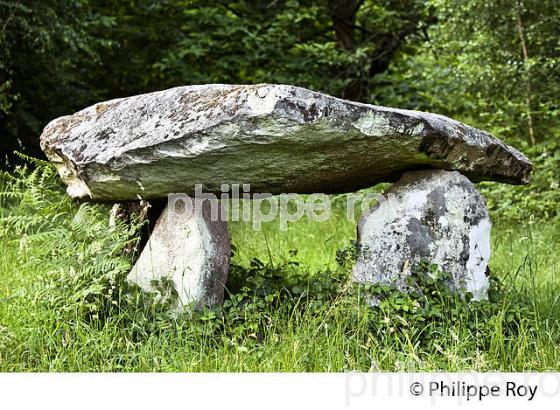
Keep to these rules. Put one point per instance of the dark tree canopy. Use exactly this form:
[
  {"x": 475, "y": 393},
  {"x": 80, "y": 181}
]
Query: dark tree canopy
[{"x": 459, "y": 58}]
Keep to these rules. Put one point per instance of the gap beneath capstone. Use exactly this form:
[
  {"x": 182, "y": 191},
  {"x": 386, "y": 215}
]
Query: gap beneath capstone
[{"x": 432, "y": 216}]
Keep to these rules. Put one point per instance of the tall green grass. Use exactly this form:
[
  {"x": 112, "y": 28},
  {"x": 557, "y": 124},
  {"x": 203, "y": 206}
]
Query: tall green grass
[{"x": 64, "y": 304}]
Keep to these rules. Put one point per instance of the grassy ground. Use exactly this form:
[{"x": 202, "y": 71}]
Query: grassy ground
[{"x": 290, "y": 307}]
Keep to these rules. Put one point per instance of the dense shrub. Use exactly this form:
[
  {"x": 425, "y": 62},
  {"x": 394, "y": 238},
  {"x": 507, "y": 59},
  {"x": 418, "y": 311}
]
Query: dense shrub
[
  {"x": 79, "y": 254},
  {"x": 538, "y": 199}
]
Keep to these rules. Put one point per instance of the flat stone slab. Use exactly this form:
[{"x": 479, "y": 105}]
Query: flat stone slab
[{"x": 278, "y": 138}]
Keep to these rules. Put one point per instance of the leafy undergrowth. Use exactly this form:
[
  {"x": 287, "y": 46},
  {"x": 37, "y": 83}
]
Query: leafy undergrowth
[
  {"x": 65, "y": 304},
  {"x": 538, "y": 199}
]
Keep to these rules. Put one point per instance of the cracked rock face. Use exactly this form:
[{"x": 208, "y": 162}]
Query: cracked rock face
[
  {"x": 189, "y": 248},
  {"x": 269, "y": 136},
  {"x": 436, "y": 216}
]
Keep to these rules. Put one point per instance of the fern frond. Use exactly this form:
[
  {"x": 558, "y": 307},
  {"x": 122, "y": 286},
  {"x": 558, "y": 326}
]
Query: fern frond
[{"x": 40, "y": 163}]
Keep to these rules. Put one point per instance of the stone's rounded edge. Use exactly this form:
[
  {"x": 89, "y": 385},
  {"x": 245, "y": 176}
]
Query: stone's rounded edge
[
  {"x": 76, "y": 187},
  {"x": 54, "y": 131},
  {"x": 192, "y": 251},
  {"x": 475, "y": 153},
  {"x": 435, "y": 215},
  {"x": 525, "y": 166},
  {"x": 504, "y": 163}
]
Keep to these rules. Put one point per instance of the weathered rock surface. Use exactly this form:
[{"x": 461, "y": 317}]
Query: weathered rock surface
[
  {"x": 191, "y": 249},
  {"x": 436, "y": 216},
  {"x": 269, "y": 136}
]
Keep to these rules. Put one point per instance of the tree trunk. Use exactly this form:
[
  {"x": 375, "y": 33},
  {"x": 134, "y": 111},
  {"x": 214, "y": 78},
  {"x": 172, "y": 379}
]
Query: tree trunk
[
  {"x": 350, "y": 35},
  {"x": 343, "y": 15},
  {"x": 528, "y": 91}
]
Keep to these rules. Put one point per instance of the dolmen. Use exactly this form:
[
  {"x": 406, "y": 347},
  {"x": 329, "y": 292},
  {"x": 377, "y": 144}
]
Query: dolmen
[{"x": 284, "y": 139}]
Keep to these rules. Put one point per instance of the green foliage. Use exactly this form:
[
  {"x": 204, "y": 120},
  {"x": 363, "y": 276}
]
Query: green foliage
[
  {"x": 44, "y": 47},
  {"x": 462, "y": 59},
  {"x": 539, "y": 199},
  {"x": 58, "y": 56},
  {"x": 473, "y": 68},
  {"x": 295, "y": 42},
  {"x": 80, "y": 255},
  {"x": 65, "y": 305},
  {"x": 64, "y": 300},
  {"x": 423, "y": 317},
  {"x": 425, "y": 313}
]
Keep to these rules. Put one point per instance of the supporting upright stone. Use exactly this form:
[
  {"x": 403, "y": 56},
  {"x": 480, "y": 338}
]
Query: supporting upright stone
[
  {"x": 189, "y": 245},
  {"x": 436, "y": 216}
]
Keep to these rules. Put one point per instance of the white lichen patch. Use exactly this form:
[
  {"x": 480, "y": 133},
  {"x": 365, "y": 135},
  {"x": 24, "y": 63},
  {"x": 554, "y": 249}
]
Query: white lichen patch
[
  {"x": 476, "y": 280},
  {"x": 373, "y": 124}
]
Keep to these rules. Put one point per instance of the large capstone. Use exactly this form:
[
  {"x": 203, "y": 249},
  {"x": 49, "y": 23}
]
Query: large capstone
[
  {"x": 189, "y": 248},
  {"x": 436, "y": 217},
  {"x": 268, "y": 136}
]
